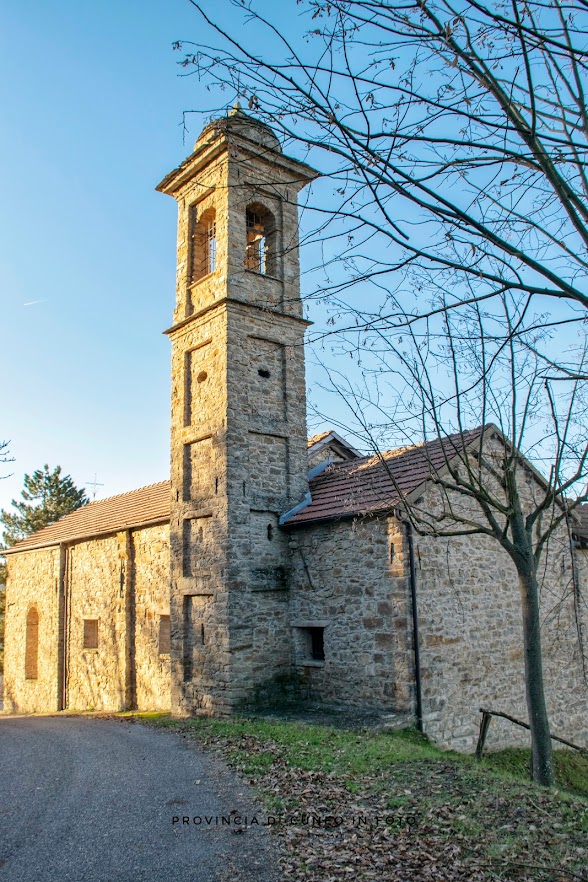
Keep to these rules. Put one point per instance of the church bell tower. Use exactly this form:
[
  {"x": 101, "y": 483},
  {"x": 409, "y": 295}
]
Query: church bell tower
[{"x": 238, "y": 414}]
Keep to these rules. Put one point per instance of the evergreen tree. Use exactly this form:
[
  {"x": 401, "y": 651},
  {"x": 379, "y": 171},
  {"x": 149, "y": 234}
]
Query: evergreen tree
[{"x": 46, "y": 497}]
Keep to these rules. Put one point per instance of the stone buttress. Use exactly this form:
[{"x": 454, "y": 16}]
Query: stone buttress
[{"x": 238, "y": 436}]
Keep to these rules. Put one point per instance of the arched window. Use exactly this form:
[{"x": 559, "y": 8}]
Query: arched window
[
  {"x": 260, "y": 248},
  {"x": 203, "y": 244},
  {"x": 32, "y": 644}
]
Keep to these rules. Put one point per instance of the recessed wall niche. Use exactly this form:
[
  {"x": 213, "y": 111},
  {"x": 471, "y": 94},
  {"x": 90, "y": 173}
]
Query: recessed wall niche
[
  {"x": 202, "y": 378},
  {"x": 196, "y": 616},
  {"x": 267, "y": 388},
  {"x": 268, "y": 459},
  {"x": 269, "y": 544},
  {"x": 195, "y": 537},
  {"x": 199, "y": 481}
]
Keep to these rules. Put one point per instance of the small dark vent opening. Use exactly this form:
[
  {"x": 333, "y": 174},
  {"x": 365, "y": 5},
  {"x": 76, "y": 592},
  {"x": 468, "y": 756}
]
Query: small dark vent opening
[{"x": 263, "y": 372}]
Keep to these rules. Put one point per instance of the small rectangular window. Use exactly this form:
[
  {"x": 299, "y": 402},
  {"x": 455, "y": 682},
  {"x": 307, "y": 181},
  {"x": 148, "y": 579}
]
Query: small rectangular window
[
  {"x": 164, "y": 635},
  {"x": 309, "y": 643},
  {"x": 90, "y": 633},
  {"x": 317, "y": 643}
]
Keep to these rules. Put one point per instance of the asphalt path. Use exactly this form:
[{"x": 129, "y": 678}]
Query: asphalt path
[{"x": 90, "y": 800}]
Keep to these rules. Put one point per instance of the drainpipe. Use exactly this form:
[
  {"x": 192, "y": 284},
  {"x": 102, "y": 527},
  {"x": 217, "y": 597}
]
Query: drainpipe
[
  {"x": 63, "y": 620},
  {"x": 415, "y": 626}
]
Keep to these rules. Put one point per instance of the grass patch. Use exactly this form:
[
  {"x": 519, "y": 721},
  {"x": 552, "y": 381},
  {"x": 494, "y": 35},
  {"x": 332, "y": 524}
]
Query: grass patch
[
  {"x": 159, "y": 716},
  {"x": 571, "y": 767},
  {"x": 312, "y": 748},
  {"x": 340, "y": 751},
  {"x": 357, "y": 754}
]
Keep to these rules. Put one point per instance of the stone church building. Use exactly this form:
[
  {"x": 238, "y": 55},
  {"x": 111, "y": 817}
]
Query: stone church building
[{"x": 272, "y": 562}]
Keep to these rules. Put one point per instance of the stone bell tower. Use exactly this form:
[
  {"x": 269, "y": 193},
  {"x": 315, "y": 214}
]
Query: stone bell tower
[{"x": 238, "y": 416}]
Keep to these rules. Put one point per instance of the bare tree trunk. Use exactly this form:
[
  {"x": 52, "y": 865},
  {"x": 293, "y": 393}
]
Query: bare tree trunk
[{"x": 541, "y": 749}]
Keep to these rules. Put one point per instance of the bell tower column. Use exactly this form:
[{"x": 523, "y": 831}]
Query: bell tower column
[{"x": 238, "y": 437}]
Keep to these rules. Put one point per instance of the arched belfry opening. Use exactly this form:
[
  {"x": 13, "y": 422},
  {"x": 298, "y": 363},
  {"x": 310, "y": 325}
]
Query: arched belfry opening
[
  {"x": 204, "y": 243},
  {"x": 261, "y": 240}
]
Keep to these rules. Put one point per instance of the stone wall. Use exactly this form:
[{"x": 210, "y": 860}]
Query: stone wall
[
  {"x": 349, "y": 579},
  {"x": 33, "y": 581},
  {"x": 95, "y": 590},
  {"x": 119, "y": 584},
  {"x": 472, "y": 640},
  {"x": 150, "y": 549}
]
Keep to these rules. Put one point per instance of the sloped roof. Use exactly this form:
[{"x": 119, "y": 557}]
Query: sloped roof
[
  {"x": 370, "y": 485},
  {"x": 148, "y": 505},
  {"x": 316, "y": 438},
  {"x": 332, "y": 439},
  {"x": 357, "y": 487},
  {"x": 581, "y": 530}
]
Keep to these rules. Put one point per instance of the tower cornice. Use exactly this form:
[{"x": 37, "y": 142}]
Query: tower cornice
[
  {"x": 225, "y": 301},
  {"x": 220, "y": 143}
]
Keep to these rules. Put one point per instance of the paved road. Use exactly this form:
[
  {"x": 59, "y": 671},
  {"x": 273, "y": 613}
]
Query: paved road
[{"x": 86, "y": 800}]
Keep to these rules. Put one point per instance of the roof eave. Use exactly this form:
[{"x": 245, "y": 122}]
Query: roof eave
[
  {"x": 345, "y": 516},
  {"x": 85, "y": 537}
]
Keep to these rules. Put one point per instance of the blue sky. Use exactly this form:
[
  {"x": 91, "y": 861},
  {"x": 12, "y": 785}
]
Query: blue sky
[
  {"x": 92, "y": 101},
  {"x": 91, "y": 110}
]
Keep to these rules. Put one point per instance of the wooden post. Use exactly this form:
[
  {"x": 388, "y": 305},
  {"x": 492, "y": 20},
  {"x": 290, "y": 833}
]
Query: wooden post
[{"x": 484, "y": 724}]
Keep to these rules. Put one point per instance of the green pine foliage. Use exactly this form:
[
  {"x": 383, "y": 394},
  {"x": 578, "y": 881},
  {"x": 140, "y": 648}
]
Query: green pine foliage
[{"x": 46, "y": 497}]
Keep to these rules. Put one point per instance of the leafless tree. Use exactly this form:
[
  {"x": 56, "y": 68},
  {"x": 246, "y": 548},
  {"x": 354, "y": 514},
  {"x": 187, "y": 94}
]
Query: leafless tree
[
  {"x": 453, "y": 136},
  {"x": 450, "y": 238},
  {"x": 519, "y": 480},
  {"x": 5, "y": 454}
]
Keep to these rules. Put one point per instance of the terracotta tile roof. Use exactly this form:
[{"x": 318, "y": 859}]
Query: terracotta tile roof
[
  {"x": 581, "y": 530},
  {"x": 367, "y": 486},
  {"x": 147, "y": 505}
]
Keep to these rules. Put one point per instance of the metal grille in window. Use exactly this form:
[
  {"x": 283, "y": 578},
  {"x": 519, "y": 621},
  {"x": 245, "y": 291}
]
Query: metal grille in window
[
  {"x": 164, "y": 635},
  {"x": 211, "y": 246},
  {"x": 203, "y": 245},
  {"x": 32, "y": 645},
  {"x": 90, "y": 633}
]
